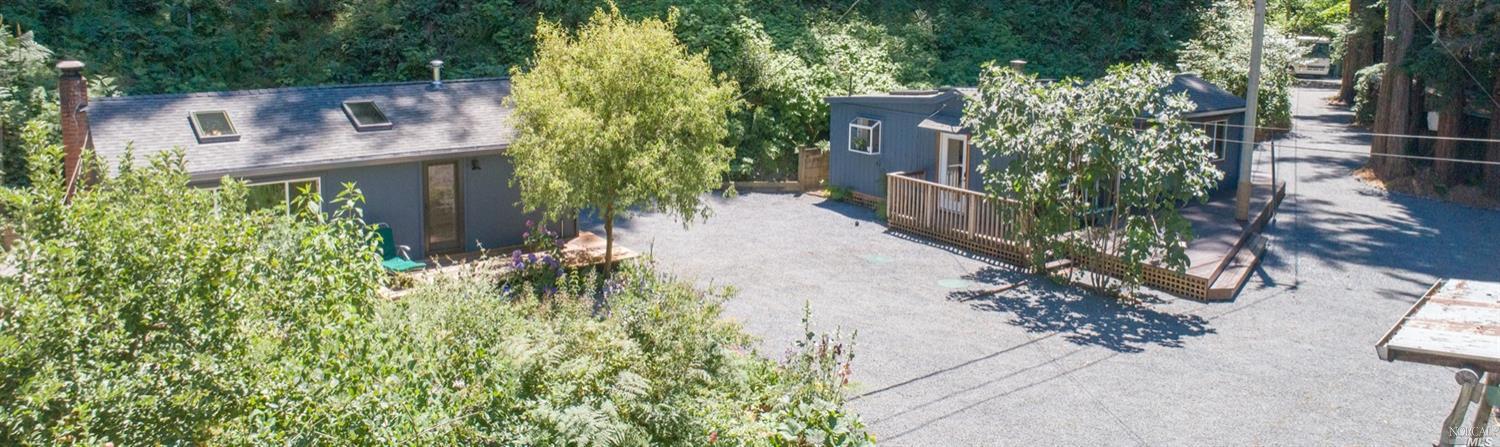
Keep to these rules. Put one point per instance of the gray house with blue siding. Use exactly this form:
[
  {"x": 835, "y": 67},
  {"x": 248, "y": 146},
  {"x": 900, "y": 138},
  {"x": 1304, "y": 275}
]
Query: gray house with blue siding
[
  {"x": 920, "y": 132},
  {"x": 427, "y": 156}
]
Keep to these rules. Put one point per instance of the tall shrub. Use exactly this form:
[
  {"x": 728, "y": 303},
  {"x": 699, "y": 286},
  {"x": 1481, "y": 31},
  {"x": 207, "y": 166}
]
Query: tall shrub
[
  {"x": 131, "y": 312},
  {"x": 1366, "y": 88},
  {"x": 1102, "y": 167}
]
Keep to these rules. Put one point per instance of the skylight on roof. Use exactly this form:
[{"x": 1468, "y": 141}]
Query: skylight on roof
[
  {"x": 213, "y": 127},
  {"x": 366, "y": 115}
]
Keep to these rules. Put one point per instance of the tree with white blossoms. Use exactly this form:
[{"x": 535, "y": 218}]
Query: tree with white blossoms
[{"x": 1102, "y": 165}]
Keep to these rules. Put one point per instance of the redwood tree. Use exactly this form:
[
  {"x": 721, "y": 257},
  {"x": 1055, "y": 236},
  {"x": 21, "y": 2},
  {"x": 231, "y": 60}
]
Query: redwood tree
[
  {"x": 1393, "y": 111},
  {"x": 1359, "y": 45}
]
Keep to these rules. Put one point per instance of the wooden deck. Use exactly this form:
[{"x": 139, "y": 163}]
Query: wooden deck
[
  {"x": 1221, "y": 254},
  {"x": 584, "y": 250}
]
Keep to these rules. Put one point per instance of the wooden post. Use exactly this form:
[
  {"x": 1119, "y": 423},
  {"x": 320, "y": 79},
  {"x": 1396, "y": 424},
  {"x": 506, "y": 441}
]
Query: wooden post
[
  {"x": 929, "y": 205},
  {"x": 1482, "y": 414},
  {"x": 971, "y": 213},
  {"x": 1468, "y": 381}
]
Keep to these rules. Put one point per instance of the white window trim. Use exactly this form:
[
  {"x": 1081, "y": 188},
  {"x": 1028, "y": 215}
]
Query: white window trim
[
  {"x": 1212, "y": 128},
  {"x": 286, "y": 189},
  {"x": 874, "y": 136}
]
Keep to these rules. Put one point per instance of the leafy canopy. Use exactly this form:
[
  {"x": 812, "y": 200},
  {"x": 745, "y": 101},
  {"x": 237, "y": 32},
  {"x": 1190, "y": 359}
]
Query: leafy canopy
[
  {"x": 1220, "y": 53},
  {"x": 139, "y": 312},
  {"x": 148, "y": 312},
  {"x": 1103, "y": 166},
  {"x": 618, "y": 116}
]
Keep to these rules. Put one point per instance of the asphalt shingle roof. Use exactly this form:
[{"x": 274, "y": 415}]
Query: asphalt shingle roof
[
  {"x": 1208, "y": 97},
  {"x": 287, "y": 130}
]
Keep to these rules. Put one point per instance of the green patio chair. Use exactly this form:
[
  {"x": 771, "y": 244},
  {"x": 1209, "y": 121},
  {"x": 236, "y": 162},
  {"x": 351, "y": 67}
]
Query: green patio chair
[{"x": 391, "y": 259}]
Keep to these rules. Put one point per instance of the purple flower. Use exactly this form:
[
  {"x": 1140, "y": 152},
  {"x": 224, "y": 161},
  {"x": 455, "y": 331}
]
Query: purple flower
[{"x": 528, "y": 223}]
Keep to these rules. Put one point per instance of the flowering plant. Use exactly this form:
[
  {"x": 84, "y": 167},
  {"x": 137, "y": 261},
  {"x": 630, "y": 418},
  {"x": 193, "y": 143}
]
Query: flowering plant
[{"x": 539, "y": 266}]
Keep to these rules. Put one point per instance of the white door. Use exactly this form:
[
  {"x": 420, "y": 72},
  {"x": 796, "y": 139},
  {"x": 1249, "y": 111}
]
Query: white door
[{"x": 952, "y": 159}]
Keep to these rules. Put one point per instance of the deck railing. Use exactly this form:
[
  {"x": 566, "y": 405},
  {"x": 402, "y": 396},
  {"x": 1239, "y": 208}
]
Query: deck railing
[
  {"x": 992, "y": 226},
  {"x": 957, "y": 216}
]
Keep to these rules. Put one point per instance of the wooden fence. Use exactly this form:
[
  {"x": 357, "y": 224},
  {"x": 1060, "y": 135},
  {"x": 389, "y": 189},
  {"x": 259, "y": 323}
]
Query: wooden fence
[{"x": 957, "y": 216}]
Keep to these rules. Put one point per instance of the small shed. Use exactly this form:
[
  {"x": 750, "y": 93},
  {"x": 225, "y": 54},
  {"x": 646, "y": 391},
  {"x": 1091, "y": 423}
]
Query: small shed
[{"x": 921, "y": 131}]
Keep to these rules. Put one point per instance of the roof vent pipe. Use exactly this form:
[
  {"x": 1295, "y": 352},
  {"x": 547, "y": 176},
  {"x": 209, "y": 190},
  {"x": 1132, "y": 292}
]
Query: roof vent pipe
[
  {"x": 1019, "y": 65},
  {"x": 437, "y": 73}
]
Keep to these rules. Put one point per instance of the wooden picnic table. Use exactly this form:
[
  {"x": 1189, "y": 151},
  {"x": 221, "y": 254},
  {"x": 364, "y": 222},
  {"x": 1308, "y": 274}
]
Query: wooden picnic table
[{"x": 1455, "y": 324}]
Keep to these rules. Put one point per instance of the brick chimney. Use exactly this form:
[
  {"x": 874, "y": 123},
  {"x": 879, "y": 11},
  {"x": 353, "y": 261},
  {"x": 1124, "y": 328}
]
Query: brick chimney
[{"x": 74, "y": 94}]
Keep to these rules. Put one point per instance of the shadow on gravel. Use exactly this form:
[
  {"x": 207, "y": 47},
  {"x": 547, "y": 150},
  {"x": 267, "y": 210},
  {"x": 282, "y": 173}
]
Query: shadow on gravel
[
  {"x": 849, "y": 210},
  {"x": 1085, "y": 319}
]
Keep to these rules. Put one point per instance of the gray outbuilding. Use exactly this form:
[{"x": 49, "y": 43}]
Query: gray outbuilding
[{"x": 920, "y": 132}]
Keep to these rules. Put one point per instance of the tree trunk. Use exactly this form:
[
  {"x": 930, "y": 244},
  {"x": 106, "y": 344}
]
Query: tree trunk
[
  {"x": 1450, "y": 125},
  {"x": 609, "y": 239},
  {"x": 1492, "y": 149},
  {"x": 1359, "y": 47},
  {"x": 1393, "y": 113}
]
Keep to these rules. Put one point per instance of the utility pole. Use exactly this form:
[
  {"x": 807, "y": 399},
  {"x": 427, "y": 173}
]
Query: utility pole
[{"x": 1252, "y": 97}]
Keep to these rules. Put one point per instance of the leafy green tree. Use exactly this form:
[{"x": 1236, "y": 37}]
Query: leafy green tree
[
  {"x": 617, "y": 117},
  {"x": 1103, "y": 166},
  {"x": 138, "y": 311},
  {"x": 1221, "y": 54},
  {"x": 23, "y": 97},
  {"x": 148, "y": 312},
  {"x": 1308, "y": 17},
  {"x": 784, "y": 87}
]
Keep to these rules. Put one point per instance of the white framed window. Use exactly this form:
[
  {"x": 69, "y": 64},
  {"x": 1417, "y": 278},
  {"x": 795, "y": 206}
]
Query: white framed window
[
  {"x": 864, "y": 136},
  {"x": 279, "y": 194},
  {"x": 1218, "y": 134}
]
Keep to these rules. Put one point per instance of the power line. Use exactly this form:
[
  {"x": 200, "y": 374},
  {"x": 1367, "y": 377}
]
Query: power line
[
  {"x": 1343, "y": 151},
  {"x": 1364, "y": 134}
]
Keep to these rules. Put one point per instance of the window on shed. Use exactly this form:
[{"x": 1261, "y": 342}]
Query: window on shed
[
  {"x": 213, "y": 127},
  {"x": 864, "y": 136},
  {"x": 1218, "y": 134},
  {"x": 366, "y": 115}
]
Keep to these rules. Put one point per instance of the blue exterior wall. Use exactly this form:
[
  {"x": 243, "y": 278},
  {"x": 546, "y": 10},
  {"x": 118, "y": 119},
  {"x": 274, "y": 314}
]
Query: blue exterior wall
[
  {"x": 492, "y": 216},
  {"x": 904, "y": 147},
  {"x": 1231, "y": 162},
  {"x": 491, "y": 213}
]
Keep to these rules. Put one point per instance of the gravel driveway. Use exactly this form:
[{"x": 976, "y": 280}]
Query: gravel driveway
[{"x": 945, "y": 360}]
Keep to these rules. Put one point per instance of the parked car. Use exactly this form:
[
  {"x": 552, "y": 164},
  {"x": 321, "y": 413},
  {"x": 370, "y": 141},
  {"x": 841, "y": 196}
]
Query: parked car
[{"x": 1315, "y": 62}]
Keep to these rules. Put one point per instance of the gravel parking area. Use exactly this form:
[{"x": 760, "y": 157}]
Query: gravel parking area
[{"x": 944, "y": 359}]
